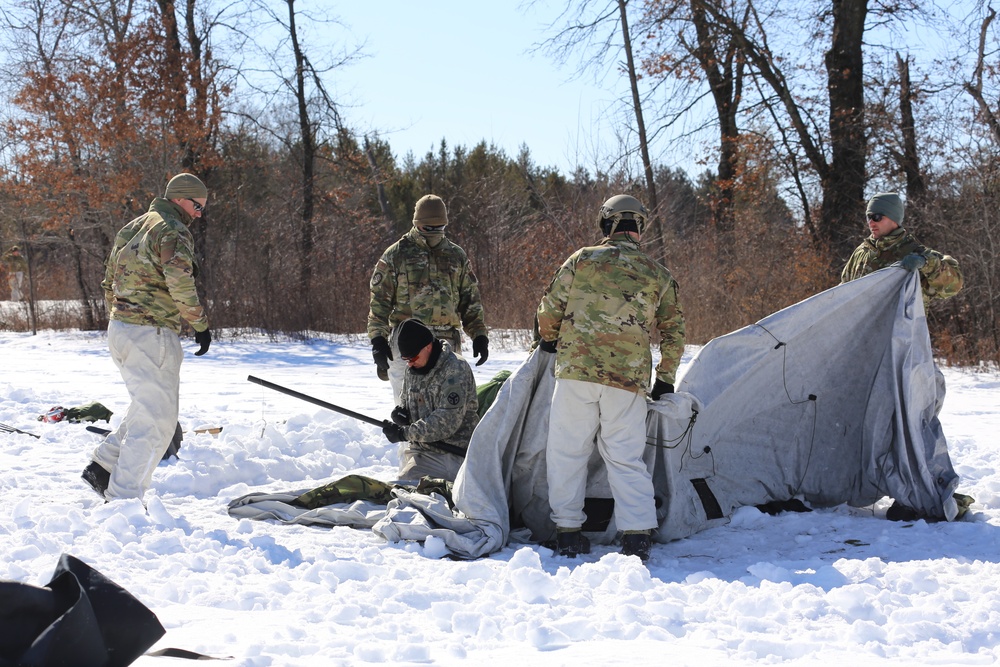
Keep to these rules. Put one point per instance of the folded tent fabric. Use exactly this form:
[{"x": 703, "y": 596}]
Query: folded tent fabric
[{"x": 79, "y": 618}]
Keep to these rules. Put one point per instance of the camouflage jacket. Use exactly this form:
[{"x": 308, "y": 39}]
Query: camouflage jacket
[
  {"x": 443, "y": 404},
  {"x": 436, "y": 285},
  {"x": 15, "y": 263},
  {"x": 602, "y": 306},
  {"x": 149, "y": 276},
  {"x": 940, "y": 277}
]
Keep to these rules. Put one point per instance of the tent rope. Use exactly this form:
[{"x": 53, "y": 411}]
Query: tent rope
[{"x": 811, "y": 398}]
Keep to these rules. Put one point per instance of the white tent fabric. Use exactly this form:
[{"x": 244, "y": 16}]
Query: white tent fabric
[{"x": 833, "y": 400}]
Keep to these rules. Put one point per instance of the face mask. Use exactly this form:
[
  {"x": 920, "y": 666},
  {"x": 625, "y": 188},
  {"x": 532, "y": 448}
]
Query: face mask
[{"x": 433, "y": 235}]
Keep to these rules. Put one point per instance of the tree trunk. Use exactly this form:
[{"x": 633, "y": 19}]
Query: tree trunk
[
  {"x": 383, "y": 199},
  {"x": 844, "y": 183},
  {"x": 308, "y": 168},
  {"x": 910, "y": 160},
  {"x": 654, "y": 229},
  {"x": 725, "y": 82},
  {"x": 89, "y": 320}
]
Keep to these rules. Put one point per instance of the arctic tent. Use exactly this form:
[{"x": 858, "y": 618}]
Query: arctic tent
[{"x": 832, "y": 400}]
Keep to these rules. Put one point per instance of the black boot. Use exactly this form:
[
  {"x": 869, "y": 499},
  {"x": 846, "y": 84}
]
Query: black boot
[
  {"x": 571, "y": 543},
  {"x": 636, "y": 544},
  {"x": 97, "y": 477},
  {"x": 900, "y": 512}
]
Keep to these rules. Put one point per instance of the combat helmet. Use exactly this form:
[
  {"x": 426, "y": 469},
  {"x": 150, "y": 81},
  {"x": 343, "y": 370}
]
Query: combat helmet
[{"x": 621, "y": 208}]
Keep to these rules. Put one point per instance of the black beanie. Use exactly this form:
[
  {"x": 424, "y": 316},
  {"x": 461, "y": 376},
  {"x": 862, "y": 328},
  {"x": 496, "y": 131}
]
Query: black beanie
[{"x": 413, "y": 336}]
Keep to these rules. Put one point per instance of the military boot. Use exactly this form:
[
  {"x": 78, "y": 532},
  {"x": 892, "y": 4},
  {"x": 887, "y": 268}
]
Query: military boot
[
  {"x": 636, "y": 544},
  {"x": 97, "y": 477},
  {"x": 572, "y": 542}
]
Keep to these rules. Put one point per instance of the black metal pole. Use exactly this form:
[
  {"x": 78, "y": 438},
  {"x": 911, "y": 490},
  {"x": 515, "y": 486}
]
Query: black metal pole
[
  {"x": 451, "y": 449},
  {"x": 316, "y": 401}
]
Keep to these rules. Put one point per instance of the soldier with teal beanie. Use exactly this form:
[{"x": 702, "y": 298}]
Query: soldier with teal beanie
[
  {"x": 598, "y": 317},
  {"x": 889, "y": 242},
  {"x": 149, "y": 287}
]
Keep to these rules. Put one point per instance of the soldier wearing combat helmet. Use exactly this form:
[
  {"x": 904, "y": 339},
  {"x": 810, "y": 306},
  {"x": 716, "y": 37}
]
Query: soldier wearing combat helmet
[
  {"x": 424, "y": 275},
  {"x": 598, "y": 317}
]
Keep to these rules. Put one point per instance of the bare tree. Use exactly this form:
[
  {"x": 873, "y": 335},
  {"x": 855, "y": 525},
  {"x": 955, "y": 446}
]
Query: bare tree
[
  {"x": 293, "y": 76},
  {"x": 842, "y": 174},
  {"x": 684, "y": 31},
  {"x": 592, "y": 28},
  {"x": 640, "y": 124},
  {"x": 909, "y": 157},
  {"x": 975, "y": 86}
]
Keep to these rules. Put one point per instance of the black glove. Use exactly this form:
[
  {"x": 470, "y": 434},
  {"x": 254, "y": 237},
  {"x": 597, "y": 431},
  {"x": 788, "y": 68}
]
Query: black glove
[
  {"x": 393, "y": 432},
  {"x": 400, "y": 415},
  {"x": 913, "y": 262},
  {"x": 381, "y": 352},
  {"x": 480, "y": 349},
  {"x": 548, "y": 346},
  {"x": 203, "y": 338},
  {"x": 660, "y": 388}
]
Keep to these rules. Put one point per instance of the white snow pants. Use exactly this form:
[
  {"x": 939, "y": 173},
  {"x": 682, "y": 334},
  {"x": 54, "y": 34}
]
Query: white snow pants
[
  {"x": 16, "y": 282},
  {"x": 149, "y": 359},
  {"x": 584, "y": 414}
]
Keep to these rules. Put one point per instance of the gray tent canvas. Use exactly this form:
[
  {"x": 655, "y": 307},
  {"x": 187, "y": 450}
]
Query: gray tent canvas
[{"x": 833, "y": 400}]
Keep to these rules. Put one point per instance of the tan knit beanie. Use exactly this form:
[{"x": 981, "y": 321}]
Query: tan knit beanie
[
  {"x": 185, "y": 186},
  {"x": 431, "y": 211}
]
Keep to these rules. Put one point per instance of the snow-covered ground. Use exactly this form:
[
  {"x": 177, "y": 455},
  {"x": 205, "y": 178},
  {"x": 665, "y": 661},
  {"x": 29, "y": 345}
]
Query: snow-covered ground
[{"x": 841, "y": 585}]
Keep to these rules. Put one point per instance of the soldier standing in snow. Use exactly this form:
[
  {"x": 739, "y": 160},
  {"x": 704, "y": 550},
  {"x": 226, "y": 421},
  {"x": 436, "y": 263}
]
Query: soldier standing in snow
[
  {"x": 16, "y": 268},
  {"x": 149, "y": 285},
  {"x": 598, "y": 316},
  {"x": 426, "y": 276},
  {"x": 940, "y": 276},
  {"x": 439, "y": 410}
]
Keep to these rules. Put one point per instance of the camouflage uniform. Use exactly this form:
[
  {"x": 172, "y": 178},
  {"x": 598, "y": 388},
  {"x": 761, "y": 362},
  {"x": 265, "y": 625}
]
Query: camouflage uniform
[
  {"x": 601, "y": 309},
  {"x": 602, "y": 306},
  {"x": 435, "y": 285},
  {"x": 149, "y": 277},
  {"x": 940, "y": 277},
  {"x": 17, "y": 267},
  {"x": 443, "y": 407},
  {"x": 149, "y": 287}
]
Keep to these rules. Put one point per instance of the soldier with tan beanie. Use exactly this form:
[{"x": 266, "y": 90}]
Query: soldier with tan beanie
[
  {"x": 424, "y": 275},
  {"x": 150, "y": 290},
  {"x": 17, "y": 268}
]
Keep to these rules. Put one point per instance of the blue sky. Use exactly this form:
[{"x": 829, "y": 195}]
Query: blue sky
[
  {"x": 464, "y": 71},
  {"x": 468, "y": 70}
]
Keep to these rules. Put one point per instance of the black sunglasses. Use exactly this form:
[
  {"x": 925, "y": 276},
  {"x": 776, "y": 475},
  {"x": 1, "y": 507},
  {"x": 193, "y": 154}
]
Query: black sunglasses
[
  {"x": 197, "y": 207},
  {"x": 875, "y": 217}
]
